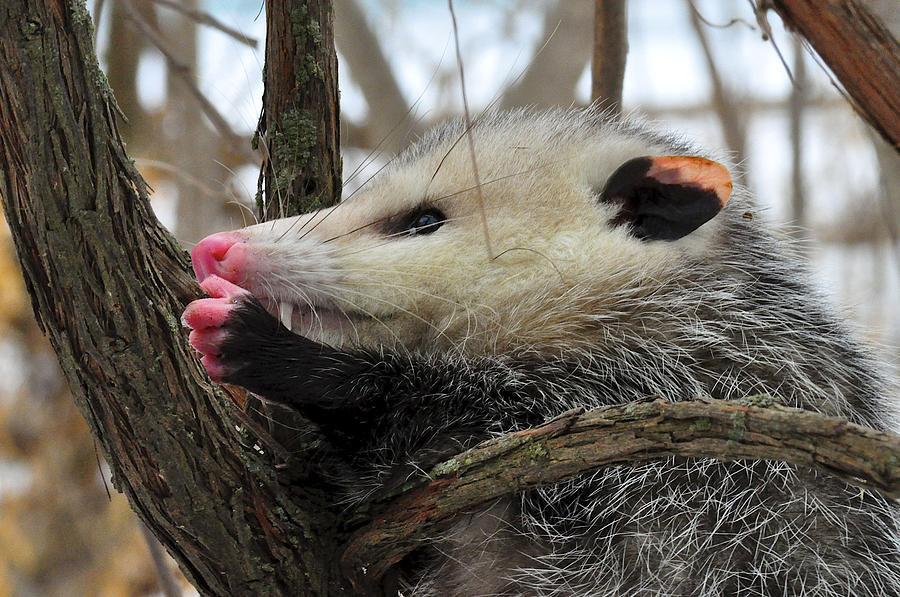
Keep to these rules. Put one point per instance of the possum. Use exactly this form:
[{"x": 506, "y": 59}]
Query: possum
[{"x": 597, "y": 261}]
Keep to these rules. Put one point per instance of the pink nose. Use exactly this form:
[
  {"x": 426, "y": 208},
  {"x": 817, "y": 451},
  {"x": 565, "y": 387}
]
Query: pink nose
[{"x": 223, "y": 254}]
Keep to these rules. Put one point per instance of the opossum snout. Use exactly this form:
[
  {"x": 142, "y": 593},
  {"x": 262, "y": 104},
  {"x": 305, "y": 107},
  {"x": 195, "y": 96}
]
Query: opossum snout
[{"x": 224, "y": 254}]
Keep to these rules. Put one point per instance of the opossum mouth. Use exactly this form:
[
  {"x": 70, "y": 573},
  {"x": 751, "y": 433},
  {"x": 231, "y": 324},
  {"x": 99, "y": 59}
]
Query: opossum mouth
[{"x": 306, "y": 319}]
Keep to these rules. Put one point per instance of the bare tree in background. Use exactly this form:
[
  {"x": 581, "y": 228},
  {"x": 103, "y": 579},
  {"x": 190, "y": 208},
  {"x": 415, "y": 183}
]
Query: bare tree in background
[
  {"x": 610, "y": 52},
  {"x": 797, "y": 109},
  {"x": 733, "y": 125},
  {"x": 561, "y": 57}
]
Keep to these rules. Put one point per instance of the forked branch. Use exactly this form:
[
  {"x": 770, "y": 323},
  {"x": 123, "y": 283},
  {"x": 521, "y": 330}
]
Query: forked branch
[{"x": 579, "y": 442}]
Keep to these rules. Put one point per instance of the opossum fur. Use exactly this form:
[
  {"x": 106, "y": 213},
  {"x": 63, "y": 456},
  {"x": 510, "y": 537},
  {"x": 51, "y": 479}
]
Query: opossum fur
[{"x": 407, "y": 348}]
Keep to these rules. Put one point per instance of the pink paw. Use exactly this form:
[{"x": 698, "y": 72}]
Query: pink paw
[{"x": 207, "y": 318}]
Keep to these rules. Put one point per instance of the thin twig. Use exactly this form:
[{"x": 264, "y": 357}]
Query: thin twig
[
  {"x": 760, "y": 10},
  {"x": 731, "y": 23},
  {"x": 183, "y": 72},
  {"x": 469, "y": 136},
  {"x": 204, "y": 18}
]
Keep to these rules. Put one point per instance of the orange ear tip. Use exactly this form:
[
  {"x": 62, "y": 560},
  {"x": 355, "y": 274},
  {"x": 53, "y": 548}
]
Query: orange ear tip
[{"x": 695, "y": 171}]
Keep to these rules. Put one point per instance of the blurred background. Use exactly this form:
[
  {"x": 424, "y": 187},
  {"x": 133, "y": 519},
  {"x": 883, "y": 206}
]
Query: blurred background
[{"x": 187, "y": 74}]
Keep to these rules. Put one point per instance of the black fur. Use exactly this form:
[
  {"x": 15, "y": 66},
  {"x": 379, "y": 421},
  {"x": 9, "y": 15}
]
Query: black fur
[
  {"x": 364, "y": 400},
  {"x": 390, "y": 414}
]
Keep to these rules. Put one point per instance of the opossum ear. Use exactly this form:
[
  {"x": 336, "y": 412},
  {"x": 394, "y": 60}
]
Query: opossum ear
[{"x": 667, "y": 197}]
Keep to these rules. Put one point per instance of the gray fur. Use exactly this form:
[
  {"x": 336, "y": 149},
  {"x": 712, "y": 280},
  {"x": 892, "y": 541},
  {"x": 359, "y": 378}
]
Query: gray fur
[
  {"x": 729, "y": 314},
  {"x": 741, "y": 321}
]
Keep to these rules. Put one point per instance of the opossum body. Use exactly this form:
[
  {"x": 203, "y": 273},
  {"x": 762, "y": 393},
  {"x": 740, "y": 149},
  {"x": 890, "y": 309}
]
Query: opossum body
[{"x": 616, "y": 274}]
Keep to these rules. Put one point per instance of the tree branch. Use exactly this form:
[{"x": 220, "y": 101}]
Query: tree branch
[
  {"x": 579, "y": 442},
  {"x": 860, "y": 51},
  {"x": 610, "y": 52},
  {"x": 204, "y": 18},
  {"x": 733, "y": 128},
  {"x": 370, "y": 69},
  {"x": 183, "y": 72},
  {"x": 562, "y": 55}
]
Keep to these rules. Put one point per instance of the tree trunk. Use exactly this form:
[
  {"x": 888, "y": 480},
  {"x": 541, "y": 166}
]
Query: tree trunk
[
  {"x": 299, "y": 128},
  {"x": 107, "y": 282}
]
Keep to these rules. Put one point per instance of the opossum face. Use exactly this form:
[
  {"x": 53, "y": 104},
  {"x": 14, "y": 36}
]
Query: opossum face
[{"x": 425, "y": 258}]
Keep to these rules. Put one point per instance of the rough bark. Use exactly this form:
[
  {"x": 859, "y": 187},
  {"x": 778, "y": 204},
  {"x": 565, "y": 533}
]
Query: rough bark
[
  {"x": 610, "y": 51},
  {"x": 861, "y": 52},
  {"x": 107, "y": 283},
  {"x": 299, "y": 128},
  {"x": 579, "y": 442}
]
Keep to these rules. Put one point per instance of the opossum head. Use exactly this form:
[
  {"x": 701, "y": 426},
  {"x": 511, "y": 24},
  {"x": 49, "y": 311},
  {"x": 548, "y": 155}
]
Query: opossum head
[{"x": 568, "y": 211}]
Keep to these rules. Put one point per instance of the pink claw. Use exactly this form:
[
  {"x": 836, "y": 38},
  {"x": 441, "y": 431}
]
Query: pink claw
[
  {"x": 207, "y": 319},
  {"x": 208, "y": 341}
]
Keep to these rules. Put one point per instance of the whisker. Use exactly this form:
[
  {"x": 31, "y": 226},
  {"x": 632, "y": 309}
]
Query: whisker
[
  {"x": 398, "y": 307},
  {"x": 305, "y": 297},
  {"x": 536, "y": 252},
  {"x": 342, "y": 202},
  {"x": 451, "y": 195},
  {"x": 405, "y": 116},
  {"x": 324, "y": 290},
  {"x": 493, "y": 102},
  {"x": 375, "y": 151},
  {"x": 236, "y": 200},
  {"x": 403, "y": 233},
  {"x": 244, "y": 210},
  {"x": 474, "y": 160}
]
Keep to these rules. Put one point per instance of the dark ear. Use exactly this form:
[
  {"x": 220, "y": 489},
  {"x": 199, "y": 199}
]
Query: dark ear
[{"x": 667, "y": 197}]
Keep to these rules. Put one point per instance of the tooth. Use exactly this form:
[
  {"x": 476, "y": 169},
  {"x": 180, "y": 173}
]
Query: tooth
[{"x": 285, "y": 313}]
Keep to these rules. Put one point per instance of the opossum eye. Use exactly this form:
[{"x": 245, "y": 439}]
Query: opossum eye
[{"x": 426, "y": 222}]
